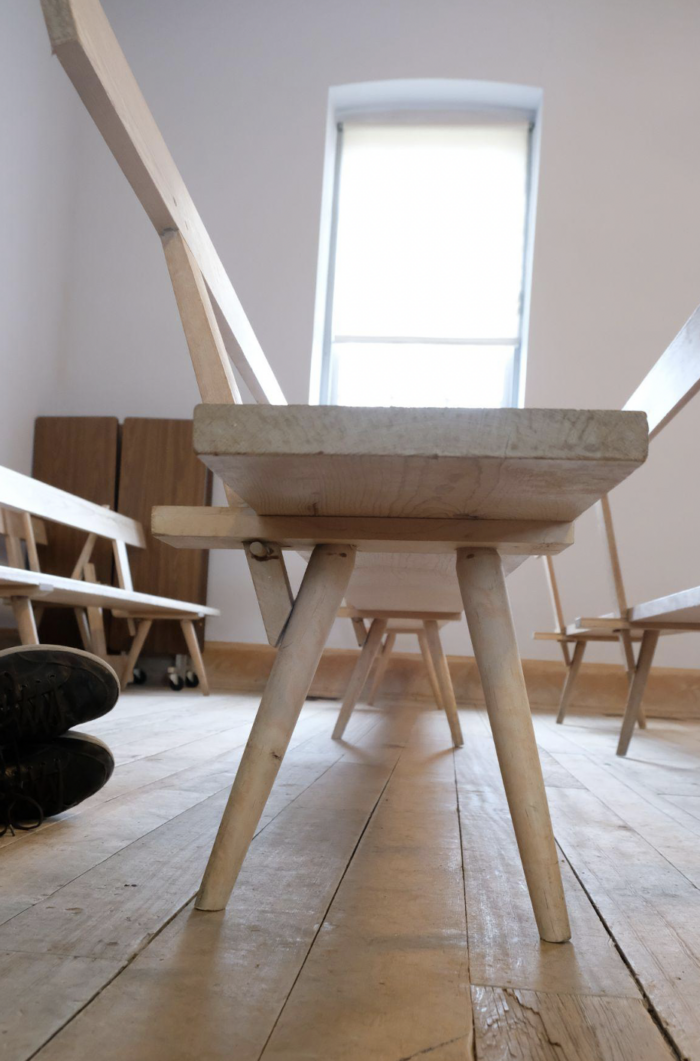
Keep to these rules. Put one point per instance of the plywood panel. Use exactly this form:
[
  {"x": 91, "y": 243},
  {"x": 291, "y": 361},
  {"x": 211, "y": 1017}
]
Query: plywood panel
[
  {"x": 77, "y": 454},
  {"x": 158, "y": 466}
]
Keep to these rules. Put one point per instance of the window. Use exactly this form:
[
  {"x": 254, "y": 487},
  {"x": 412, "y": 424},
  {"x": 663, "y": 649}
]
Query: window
[{"x": 426, "y": 261}]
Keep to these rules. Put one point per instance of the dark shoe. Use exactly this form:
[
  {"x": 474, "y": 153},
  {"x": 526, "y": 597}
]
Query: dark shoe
[
  {"x": 44, "y": 778},
  {"x": 46, "y": 689}
]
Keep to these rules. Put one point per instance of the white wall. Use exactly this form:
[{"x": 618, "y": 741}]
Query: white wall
[
  {"x": 37, "y": 133},
  {"x": 240, "y": 92}
]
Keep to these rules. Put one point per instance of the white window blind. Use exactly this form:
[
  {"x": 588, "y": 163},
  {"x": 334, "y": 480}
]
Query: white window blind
[{"x": 428, "y": 265}]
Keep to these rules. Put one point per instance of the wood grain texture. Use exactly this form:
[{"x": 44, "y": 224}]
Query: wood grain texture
[
  {"x": 491, "y": 629},
  {"x": 412, "y": 463},
  {"x": 77, "y": 454},
  {"x": 85, "y": 44},
  {"x": 210, "y": 361},
  {"x": 387, "y": 976},
  {"x": 651, "y": 909},
  {"x": 530, "y": 1024},
  {"x": 673, "y": 380},
  {"x": 70, "y": 591},
  {"x": 158, "y": 466},
  {"x": 228, "y": 977},
  {"x": 347, "y": 937},
  {"x": 681, "y": 607},
  {"x": 316, "y": 606},
  {"x": 231, "y": 528}
]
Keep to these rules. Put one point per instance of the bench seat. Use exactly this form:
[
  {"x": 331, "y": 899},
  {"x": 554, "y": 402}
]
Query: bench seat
[{"x": 73, "y": 592}]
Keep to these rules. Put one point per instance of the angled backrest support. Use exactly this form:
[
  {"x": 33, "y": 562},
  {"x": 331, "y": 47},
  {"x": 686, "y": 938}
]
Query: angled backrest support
[
  {"x": 83, "y": 40},
  {"x": 673, "y": 380}
]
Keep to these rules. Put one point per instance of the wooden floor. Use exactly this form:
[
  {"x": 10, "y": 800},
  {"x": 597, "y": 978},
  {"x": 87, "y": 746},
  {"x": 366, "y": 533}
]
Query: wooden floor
[{"x": 381, "y": 914}]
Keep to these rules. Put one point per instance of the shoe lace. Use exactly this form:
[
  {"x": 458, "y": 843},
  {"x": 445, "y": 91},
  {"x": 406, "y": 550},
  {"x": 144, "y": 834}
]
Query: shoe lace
[
  {"x": 48, "y": 709},
  {"x": 13, "y": 793}
]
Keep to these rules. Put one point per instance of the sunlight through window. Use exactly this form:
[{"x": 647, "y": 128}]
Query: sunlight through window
[{"x": 428, "y": 269}]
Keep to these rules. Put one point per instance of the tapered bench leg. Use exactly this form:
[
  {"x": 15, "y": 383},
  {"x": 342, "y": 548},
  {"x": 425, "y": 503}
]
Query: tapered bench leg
[
  {"x": 137, "y": 644},
  {"x": 380, "y": 670},
  {"x": 631, "y": 668},
  {"x": 570, "y": 680},
  {"x": 487, "y": 608},
  {"x": 359, "y": 675},
  {"x": 650, "y": 640},
  {"x": 442, "y": 671},
  {"x": 195, "y": 654},
  {"x": 321, "y": 592},
  {"x": 24, "y": 615},
  {"x": 432, "y": 676}
]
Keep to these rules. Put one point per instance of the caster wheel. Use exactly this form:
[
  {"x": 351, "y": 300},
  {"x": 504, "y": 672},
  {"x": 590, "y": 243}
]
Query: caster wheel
[
  {"x": 140, "y": 676},
  {"x": 191, "y": 680},
  {"x": 176, "y": 682}
]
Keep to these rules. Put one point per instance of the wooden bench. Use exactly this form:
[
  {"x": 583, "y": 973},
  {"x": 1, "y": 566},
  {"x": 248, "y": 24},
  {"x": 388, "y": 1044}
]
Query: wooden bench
[
  {"x": 666, "y": 389},
  {"x": 401, "y": 509},
  {"x": 26, "y": 505},
  {"x": 388, "y": 625}
]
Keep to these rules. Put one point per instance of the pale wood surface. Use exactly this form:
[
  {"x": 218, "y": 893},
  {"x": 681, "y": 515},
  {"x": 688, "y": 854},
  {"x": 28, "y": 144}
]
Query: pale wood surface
[
  {"x": 673, "y": 380},
  {"x": 366, "y": 658},
  {"x": 612, "y": 557},
  {"x": 570, "y": 681},
  {"x": 137, "y": 643},
  {"x": 26, "y": 623},
  {"x": 225, "y": 528},
  {"x": 89, "y": 52},
  {"x": 430, "y": 669},
  {"x": 444, "y": 680},
  {"x": 548, "y": 1027},
  {"x": 382, "y": 664},
  {"x": 681, "y": 607},
  {"x": 38, "y": 527},
  {"x": 195, "y": 654},
  {"x": 210, "y": 360},
  {"x": 640, "y": 676},
  {"x": 491, "y": 629},
  {"x": 348, "y": 937},
  {"x": 557, "y": 609},
  {"x": 24, "y": 494},
  {"x": 315, "y": 608},
  {"x": 438, "y": 463},
  {"x": 271, "y": 583},
  {"x": 69, "y": 591}
]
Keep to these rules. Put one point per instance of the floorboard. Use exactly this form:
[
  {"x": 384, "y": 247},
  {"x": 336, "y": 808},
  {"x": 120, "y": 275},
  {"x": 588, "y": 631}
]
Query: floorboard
[{"x": 382, "y": 912}]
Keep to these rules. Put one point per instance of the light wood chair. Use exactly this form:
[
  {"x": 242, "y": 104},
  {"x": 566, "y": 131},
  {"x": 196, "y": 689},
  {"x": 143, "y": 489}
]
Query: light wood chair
[
  {"x": 402, "y": 509},
  {"x": 665, "y": 390},
  {"x": 389, "y": 625},
  {"x": 26, "y": 507},
  {"x": 570, "y": 638}
]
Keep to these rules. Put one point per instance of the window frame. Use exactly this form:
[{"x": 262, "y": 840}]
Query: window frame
[{"x": 420, "y": 100}]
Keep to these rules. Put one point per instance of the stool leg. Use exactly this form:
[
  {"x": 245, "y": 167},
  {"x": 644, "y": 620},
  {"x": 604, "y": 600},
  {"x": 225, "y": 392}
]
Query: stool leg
[{"x": 487, "y": 608}]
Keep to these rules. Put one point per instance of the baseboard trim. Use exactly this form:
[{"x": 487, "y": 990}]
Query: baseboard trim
[{"x": 601, "y": 687}]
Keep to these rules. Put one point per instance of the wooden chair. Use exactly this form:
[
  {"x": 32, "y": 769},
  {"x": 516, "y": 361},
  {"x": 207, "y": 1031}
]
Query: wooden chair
[
  {"x": 665, "y": 390},
  {"x": 402, "y": 509},
  {"x": 26, "y": 506},
  {"x": 569, "y": 637},
  {"x": 389, "y": 625}
]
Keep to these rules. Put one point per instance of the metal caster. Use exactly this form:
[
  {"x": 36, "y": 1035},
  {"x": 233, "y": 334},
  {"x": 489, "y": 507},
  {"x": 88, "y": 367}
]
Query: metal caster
[
  {"x": 139, "y": 676},
  {"x": 176, "y": 682},
  {"x": 191, "y": 679}
]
